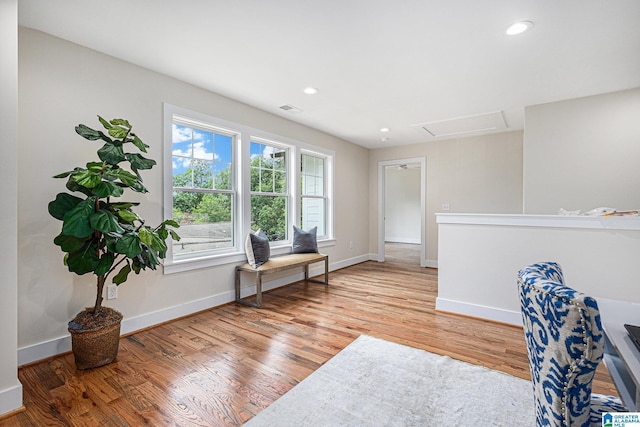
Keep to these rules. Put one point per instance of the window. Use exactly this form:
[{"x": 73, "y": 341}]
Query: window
[
  {"x": 313, "y": 196},
  {"x": 224, "y": 179},
  {"x": 269, "y": 190},
  {"x": 203, "y": 187}
]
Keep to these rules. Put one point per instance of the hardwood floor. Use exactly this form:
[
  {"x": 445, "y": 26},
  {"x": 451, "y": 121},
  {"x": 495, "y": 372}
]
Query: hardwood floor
[{"x": 222, "y": 366}]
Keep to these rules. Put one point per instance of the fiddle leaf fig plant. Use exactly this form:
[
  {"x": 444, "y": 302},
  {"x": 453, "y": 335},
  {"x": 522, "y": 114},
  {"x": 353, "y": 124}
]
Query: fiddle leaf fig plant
[{"x": 101, "y": 234}]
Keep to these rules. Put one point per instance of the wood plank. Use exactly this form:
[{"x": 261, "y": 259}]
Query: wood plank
[{"x": 224, "y": 365}]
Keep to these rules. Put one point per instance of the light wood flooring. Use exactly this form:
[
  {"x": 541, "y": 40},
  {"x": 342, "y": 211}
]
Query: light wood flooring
[
  {"x": 224, "y": 365},
  {"x": 402, "y": 253}
]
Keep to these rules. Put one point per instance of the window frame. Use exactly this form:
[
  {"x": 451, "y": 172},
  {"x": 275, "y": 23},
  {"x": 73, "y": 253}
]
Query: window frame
[
  {"x": 233, "y": 191},
  {"x": 241, "y": 171},
  {"x": 325, "y": 187},
  {"x": 289, "y": 197}
]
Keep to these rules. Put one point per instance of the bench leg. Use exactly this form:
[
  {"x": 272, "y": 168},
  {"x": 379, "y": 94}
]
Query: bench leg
[
  {"x": 237, "y": 285},
  {"x": 326, "y": 273},
  {"x": 259, "y": 291},
  {"x": 258, "y": 303}
]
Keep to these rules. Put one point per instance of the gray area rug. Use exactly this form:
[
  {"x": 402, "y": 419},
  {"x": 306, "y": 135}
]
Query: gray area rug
[{"x": 373, "y": 382}]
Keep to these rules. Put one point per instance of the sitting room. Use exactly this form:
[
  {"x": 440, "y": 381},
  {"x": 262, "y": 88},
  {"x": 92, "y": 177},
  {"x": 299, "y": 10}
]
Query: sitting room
[{"x": 339, "y": 213}]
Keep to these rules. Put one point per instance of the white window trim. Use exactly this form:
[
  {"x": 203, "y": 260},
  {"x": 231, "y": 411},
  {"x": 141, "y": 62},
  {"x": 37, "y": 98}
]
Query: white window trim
[
  {"x": 328, "y": 189},
  {"x": 243, "y": 179}
]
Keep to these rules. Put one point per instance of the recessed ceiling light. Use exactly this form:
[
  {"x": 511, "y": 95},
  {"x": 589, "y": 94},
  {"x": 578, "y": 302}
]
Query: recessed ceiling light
[
  {"x": 384, "y": 130},
  {"x": 518, "y": 27},
  {"x": 310, "y": 90}
]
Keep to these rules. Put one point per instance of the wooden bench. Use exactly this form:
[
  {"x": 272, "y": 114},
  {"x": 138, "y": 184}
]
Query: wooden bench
[{"x": 280, "y": 263}]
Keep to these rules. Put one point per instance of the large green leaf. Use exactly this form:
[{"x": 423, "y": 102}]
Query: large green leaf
[
  {"x": 63, "y": 203},
  {"x": 105, "y": 123},
  {"x": 124, "y": 205},
  {"x": 69, "y": 243},
  {"x": 111, "y": 153},
  {"x": 84, "y": 261},
  {"x": 139, "y": 162},
  {"x": 127, "y": 178},
  {"x": 105, "y": 264},
  {"x": 108, "y": 189},
  {"x": 87, "y": 178},
  {"x": 63, "y": 174},
  {"x": 72, "y": 185},
  {"x": 91, "y": 134},
  {"x": 170, "y": 222},
  {"x": 139, "y": 188},
  {"x": 121, "y": 277},
  {"x": 146, "y": 235},
  {"x": 138, "y": 143},
  {"x": 129, "y": 245},
  {"x": 76, "y": 221},
  {"x": 120, "y": 122},
  {"x": 96, "y": 167},
  {"x": 128, "y": 216},
  {"x": 118, "y": 132},
  {"x": 105, "y": 222}
]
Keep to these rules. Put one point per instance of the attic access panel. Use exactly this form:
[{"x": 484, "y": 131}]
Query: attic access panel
[{"x": 464, "y": 125}]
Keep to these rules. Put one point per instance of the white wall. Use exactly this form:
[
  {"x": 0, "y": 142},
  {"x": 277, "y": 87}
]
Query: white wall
[
  {"x": 583, "y": 153},
  {"x": 474, "y": 174},
  {"x": 61, "y": 85},
  {"x": 10, "y": 387},
  {"x": 402, "y": 205},
  {"x": 480, "y": 256}
]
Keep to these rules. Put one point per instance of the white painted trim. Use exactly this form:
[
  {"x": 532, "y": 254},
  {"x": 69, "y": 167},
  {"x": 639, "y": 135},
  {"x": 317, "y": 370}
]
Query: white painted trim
[
  {"x": 56, "y": 346},
  {"x": 549, "y": 221},
  {"x": 480, "y": 311},
  {"x": 431, "y": 263},
  {"x": 11, "y": 399},
  {"x": 423, "y": 204}
]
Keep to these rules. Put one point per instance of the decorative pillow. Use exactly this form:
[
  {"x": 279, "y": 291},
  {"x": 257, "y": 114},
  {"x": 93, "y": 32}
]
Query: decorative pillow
[
  {"x": 257, "y": 248},
  {"x": 304, "y": 241}
]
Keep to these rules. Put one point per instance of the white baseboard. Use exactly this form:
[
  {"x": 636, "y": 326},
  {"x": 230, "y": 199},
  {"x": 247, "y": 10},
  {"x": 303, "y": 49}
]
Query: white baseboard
[
  {"x": 11, "y": 399},
  {"x": 431, "y": 263},
  {"x": 481, "y": 311},
  {"x": 46, "y": 349}
]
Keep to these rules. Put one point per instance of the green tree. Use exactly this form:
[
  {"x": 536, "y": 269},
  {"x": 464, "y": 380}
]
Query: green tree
[
  {"x": 197, "y": 206},
  {"x": 269, "y": 212}
]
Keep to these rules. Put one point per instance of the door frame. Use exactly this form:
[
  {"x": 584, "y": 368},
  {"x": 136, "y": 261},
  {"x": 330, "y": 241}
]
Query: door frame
[{"x": 382, "y": 165}]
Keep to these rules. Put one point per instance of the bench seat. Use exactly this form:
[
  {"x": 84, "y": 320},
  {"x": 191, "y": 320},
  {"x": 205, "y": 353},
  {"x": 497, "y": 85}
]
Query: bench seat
[{"x": 280, "y": 263}]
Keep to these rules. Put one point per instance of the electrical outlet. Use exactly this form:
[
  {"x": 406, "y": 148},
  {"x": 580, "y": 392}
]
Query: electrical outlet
[
  {"x": 350, "y": 244},
  {"x": 445, "y": 207},
  {"x": 112, "y": 291}
]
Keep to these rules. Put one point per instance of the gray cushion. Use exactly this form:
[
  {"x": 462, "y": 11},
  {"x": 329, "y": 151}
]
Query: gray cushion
[
  {"x": 304, "y": 241},
  {"x": 257, "y": 248}
]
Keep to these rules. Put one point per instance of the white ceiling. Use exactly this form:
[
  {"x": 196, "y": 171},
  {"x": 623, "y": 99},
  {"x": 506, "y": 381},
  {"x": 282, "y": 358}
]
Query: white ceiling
[{"x": 377, "y": 63}]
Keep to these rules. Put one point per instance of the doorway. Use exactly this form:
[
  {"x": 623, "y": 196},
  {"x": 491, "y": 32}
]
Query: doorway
[{"x": 401, "y": 211}]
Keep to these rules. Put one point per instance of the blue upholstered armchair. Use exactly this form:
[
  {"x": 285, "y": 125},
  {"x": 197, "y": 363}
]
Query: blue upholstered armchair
[{"x": 565, "y": 343}]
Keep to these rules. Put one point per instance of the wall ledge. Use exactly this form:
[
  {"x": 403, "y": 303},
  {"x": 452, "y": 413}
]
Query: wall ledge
[{"x": 549, "y": 221}]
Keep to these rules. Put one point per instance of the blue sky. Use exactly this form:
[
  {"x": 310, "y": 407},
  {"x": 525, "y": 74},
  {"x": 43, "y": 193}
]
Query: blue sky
[{"x": 191, "y": 143}]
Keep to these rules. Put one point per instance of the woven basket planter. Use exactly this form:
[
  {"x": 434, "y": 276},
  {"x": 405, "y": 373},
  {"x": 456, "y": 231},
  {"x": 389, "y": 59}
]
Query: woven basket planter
[{"x": 98, "y": 346}]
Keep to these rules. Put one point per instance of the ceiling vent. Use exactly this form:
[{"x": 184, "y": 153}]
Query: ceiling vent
[
  {"x": 291, "y": 109},
  {"x": 486, "y": 122}
]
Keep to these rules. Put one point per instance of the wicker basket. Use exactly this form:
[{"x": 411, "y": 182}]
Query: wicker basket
[{"x": 95, "y": 347}]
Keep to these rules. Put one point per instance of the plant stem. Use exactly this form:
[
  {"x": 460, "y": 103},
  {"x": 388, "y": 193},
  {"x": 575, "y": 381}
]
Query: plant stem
[{"x": 100, "y": 285}]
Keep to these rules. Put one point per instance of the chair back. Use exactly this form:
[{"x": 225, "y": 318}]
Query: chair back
[{"x": 565, "y": 343}]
